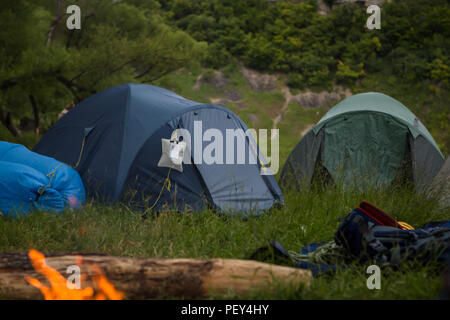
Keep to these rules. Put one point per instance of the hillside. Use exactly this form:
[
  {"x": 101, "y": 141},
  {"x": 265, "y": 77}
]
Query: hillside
[
  {"x": 264, "y": 100},
  {"x": 323, "y": 47}
]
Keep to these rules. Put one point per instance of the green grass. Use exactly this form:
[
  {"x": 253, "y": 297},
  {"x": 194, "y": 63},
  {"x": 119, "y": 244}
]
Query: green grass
[{"x": 306, "y": 217}]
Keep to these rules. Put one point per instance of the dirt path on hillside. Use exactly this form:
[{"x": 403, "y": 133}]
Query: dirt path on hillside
[
  {"x": 287, "y": 99},
  {"x": 310, "y": 100}
]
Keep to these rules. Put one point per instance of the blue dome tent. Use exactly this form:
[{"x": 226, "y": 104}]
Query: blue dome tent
[{"x": 116, "y": 139}]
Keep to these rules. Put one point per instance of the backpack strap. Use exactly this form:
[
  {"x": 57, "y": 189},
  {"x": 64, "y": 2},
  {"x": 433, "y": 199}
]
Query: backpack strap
[{"x": 367, "y": 235}]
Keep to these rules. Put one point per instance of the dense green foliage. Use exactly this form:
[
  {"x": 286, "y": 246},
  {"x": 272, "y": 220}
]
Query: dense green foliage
[{"x": 292, "y": 37}]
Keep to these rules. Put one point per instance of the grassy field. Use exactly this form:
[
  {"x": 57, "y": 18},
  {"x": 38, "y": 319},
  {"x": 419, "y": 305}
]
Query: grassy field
[{"x": 306, "y": 217}]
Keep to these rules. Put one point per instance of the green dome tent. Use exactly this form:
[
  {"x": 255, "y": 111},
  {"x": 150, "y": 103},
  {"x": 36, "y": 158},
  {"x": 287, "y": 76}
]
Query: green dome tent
[{"x": 369, "y": 139}]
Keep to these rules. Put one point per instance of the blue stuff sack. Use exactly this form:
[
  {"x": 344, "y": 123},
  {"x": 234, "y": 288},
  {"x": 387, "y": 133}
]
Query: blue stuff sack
[{"x": 30, "y": 181}]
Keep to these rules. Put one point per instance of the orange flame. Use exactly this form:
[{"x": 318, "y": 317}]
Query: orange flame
[{"x": 59, "y": 290}]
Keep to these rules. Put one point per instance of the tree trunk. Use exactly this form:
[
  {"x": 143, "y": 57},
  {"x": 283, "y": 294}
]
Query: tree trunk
[
  {"x": 58, "y": 16},
  {"x": 6, "y": 120},
  {"x": 37, "y": 120},
  {"x": 141, "y": 278}
]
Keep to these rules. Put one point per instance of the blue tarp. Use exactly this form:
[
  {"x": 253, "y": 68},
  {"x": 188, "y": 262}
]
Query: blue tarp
[{"x": 31, "y": 181}]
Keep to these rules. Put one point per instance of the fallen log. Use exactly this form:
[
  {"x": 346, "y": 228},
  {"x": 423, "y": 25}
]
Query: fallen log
[{"x": 142, "y": 278}]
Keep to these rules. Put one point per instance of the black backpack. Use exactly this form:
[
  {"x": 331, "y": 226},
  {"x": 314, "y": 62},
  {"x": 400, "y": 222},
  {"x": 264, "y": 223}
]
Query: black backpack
[{"x": 370, "y": 233}]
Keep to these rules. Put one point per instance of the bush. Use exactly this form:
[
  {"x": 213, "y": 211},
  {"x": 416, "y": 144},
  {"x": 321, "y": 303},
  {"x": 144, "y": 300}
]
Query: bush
[
  {"x": 216, "y": 56},
  {"x": 295, "y": 80},
  {"x": 346, "y": 75}
]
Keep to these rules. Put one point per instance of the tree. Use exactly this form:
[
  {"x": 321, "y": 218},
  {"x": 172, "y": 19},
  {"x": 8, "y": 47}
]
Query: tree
[{"x": 44, "y": 66}]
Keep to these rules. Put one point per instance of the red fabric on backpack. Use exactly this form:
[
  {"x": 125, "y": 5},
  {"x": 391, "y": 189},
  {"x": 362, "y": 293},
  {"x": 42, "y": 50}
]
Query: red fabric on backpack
[{"x": 378, "y": 215}]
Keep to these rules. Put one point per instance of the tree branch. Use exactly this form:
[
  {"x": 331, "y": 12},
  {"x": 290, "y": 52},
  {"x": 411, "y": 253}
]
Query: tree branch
[
  {"x": 70, "y": 84},
  {"x": 6, "y": 120},
  {"x": 118, "y": 68},
  {"x": 58, "y": 16}
]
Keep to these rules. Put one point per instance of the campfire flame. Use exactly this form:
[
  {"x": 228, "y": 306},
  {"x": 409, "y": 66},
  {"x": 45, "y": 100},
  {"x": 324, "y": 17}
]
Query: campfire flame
[{"x": 59, "y": 290}]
